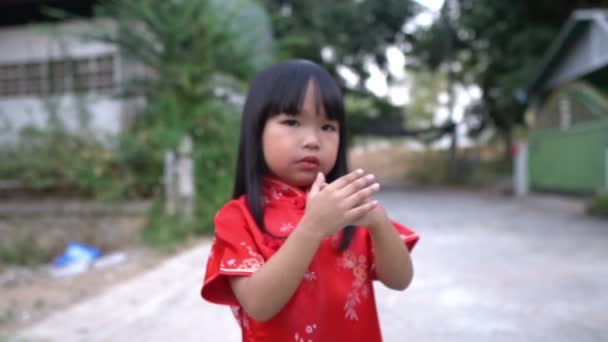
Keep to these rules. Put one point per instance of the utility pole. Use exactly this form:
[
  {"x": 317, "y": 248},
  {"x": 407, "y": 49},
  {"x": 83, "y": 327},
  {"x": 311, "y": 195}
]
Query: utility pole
[{"x": 447, "y": 13}]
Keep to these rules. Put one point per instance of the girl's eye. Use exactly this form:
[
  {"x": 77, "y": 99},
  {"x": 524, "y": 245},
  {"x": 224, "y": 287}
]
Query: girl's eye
[
  {"x": 291, "y": 122},
  {"x": 330, "y": 128}
]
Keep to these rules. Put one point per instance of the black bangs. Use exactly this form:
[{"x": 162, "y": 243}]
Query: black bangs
[{"x": 290, "y": 80}]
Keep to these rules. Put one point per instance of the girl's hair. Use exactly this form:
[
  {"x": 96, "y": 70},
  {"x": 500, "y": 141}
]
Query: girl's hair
[{"x": 281, "y": 89}]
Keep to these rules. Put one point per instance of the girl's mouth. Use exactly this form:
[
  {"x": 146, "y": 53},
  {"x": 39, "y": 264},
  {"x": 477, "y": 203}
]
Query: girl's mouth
[{"x": 309, "y": 163}]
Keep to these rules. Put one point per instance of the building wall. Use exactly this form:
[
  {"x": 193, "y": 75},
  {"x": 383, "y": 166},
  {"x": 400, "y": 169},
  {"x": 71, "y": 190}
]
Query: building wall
[
  {"x": 28, "y": 86},
  {"x": 19, "y": 112},
  {"x": 574, "y": 160}
]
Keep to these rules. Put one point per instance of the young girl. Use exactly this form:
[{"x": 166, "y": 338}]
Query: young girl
[{"x": 298, "y": 246}]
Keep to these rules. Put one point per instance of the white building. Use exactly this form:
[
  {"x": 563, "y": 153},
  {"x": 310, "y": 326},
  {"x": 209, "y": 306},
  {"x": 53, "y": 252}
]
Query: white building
[{"x": 46, "y": 67}]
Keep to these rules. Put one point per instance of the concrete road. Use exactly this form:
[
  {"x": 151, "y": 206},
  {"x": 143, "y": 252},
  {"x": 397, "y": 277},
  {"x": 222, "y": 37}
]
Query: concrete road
[{"x": 487, "y": 269}]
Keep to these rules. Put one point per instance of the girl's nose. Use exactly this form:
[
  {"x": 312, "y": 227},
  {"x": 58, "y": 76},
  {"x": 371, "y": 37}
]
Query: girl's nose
[{"x": 311, "y": 140}]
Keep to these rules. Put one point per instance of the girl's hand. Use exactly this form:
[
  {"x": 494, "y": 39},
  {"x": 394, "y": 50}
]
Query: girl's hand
[
  {"x": 330, "y": 207},
  {"x": 374, "y": 218}
]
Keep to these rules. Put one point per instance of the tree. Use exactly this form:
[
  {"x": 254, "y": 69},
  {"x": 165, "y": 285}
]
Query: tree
[
  {"x": 350, "y": 32},
  {"x": 343, "y": 34},
  {"x": 425, "y": 92},
  {"x": 194, "y": 53},
  {"x": 496, "y": 45}
]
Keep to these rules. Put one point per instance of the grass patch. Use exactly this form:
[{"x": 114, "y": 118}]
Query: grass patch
[
  {"x": 598, "y": 206},
  {"x": 26, "y": 251}
]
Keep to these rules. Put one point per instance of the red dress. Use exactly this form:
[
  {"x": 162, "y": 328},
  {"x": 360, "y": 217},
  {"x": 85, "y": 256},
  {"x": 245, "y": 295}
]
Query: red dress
[{"x": 335, "y": 300}]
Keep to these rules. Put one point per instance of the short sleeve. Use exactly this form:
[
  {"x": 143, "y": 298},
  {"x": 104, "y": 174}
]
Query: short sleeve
[
  {"x": 408, "y": 237},
  {"x": 233, "y": 253}
]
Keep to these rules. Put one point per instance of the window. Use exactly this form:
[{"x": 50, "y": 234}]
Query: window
[
  {"x": 10, "y": 76},
  {"x": 57, "y": 76}
]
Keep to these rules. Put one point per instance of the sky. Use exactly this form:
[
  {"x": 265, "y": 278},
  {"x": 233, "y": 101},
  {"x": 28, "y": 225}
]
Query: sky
[
  {"x": 396, "y": 60},
  {"x": 433, "y": 5}
]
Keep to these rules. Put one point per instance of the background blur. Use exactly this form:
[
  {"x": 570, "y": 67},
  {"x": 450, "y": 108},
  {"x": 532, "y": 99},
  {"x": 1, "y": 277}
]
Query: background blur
[{"x": 119, "y": 119}]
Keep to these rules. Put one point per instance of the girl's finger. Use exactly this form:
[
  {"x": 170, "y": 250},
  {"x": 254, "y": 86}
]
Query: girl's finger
[
  {"x": 317, "y": 185},
  {"x": 346, "y": 179},
  {"x": 358, "y": 212},
  {"x": 357, "y": 185},
  {"x": 361, "y": 196}
]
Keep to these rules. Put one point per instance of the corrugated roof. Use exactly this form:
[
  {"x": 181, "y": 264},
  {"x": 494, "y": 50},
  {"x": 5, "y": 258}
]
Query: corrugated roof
[{"x": 574, "y": 26}]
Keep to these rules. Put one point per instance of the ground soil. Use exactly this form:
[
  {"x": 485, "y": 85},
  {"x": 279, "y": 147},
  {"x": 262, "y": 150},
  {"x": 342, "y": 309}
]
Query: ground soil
[{"x": 31, "y": 294}]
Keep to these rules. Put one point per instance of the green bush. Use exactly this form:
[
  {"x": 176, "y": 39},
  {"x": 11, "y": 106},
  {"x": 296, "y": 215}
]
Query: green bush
[
  {"x": 214, "y": 159},
  {"x": 66, "y": 163},
  {"x": 197, "y": 60},
  {"x": 24, "y": 251},
  {"x": 196, "y": 50},
  {"x": 598, "y": 205}
]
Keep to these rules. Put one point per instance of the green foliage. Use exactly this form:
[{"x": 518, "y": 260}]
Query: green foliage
[
  {"x": 356, "y": 31},
  {"x": 207, "y": 53},
  {"x": 165, "y": 232},
  {"x": 496, "y": 45},
  {"x": 425, "y": 97},
  {"x": 182, "y": 43},
  {"x": 188, "y": 61},
  {"x": 66, "y": 163},
  {"x": 598, "y": 206},
  {"x": 24, "y": 251},
  {"x": 351, "y": 34},
  {"x": 214, "y": 159},
  {"x": 57, "y": 160},
  {"x": 192, "y": 50},
  {"x": 368, "y": 114}
]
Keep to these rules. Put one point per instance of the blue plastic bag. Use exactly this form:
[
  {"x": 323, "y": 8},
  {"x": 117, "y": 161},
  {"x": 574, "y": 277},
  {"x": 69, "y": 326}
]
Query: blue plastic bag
[{"x": 77, "y": 253}]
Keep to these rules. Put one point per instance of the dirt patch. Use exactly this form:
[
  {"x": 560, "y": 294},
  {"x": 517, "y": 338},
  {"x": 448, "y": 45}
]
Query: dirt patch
[
  {"x": 399, "y": 165},
  {"x": 29, "y": 295},
  {"x": 389, "y": 164},
  {"x": 37, "y": 230}
]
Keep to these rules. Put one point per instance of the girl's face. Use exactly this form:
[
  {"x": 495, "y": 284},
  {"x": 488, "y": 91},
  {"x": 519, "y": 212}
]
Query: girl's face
[{"x": 297, "y": 147}]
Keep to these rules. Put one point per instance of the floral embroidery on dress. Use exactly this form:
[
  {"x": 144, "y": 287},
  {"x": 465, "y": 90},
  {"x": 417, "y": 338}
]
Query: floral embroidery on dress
[
  {"x": 310, "y": 276},
  {"x": 276, "y": 194},
  {"x": 309, "y": 281},
  {"x": 359, "y": 289},
  {"x": 249, "y": 264},
  {"x": 240, "y": 316},
  {"x": 286, "y": 227},
  {"x": 278, "y": 189},
  {"x": 306, "y": 336}
]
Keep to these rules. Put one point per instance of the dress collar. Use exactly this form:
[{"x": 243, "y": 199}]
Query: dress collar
[{"x": 275, "y": 189}]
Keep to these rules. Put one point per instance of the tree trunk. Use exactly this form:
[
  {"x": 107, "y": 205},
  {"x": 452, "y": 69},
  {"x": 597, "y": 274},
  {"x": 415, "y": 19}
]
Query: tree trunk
[{"x": 453, "y": 172}]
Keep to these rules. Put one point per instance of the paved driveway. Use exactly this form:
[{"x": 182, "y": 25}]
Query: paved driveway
[{"x": 487, "y": 269}]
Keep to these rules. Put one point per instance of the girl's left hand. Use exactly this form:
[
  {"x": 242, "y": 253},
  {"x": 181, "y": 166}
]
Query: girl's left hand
[{"x": 374, "y": 218}]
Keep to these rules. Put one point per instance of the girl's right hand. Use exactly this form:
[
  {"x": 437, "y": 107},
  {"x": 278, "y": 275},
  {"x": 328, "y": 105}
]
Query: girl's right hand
[{"x": 330, "y": 207}]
